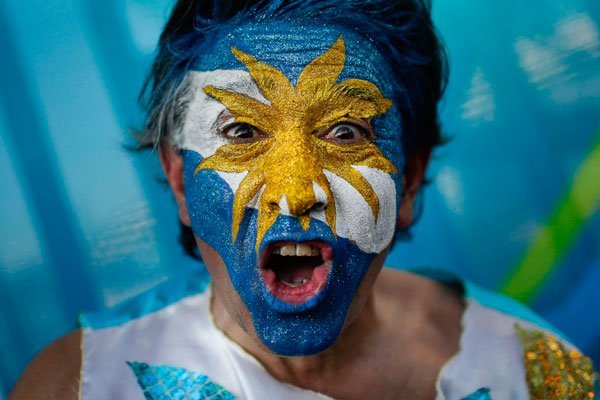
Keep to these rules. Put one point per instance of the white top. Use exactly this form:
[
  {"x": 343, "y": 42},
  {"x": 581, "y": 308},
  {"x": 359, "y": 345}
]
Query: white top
[{"x": 183, "y": 336}]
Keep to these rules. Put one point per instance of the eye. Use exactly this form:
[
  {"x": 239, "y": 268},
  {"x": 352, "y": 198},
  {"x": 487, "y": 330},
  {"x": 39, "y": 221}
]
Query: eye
[
  {"x": 347, "y": 132},
  {"x": 241, "y": 132}
]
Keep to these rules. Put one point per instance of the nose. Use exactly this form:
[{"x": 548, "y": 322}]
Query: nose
[
  {"x": 296, "y": 188},
  {"x": 318, "y": 206},
  {"x": 296, "y": 205}
]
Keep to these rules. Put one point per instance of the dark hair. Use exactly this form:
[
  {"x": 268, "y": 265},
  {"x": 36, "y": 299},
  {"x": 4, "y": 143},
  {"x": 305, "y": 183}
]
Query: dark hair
[{"x": 402, "y": 30}]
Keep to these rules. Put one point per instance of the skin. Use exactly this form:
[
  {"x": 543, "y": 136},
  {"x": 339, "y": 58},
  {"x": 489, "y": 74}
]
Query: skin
[
  {"x": 54, "y": 373},
  {"x": 399, "y": 332}
]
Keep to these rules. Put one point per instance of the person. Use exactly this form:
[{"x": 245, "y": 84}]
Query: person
[{"x": 295, "y": 136}]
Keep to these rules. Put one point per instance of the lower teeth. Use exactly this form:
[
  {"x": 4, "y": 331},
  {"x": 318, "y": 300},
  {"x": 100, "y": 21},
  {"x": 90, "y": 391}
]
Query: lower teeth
[{"x": 301, "y": 282}]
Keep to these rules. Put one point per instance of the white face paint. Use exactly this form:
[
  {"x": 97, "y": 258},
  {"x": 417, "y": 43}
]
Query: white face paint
[
  {"x": 285, "y": 157},
  {"x": 201, "y": 132}
]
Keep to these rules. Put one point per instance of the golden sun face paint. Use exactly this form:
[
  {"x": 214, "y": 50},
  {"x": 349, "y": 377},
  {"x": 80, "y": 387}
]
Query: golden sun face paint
[{"x": 291, "y": 158}]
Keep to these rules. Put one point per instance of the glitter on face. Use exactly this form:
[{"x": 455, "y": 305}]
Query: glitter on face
[
  {"x": 292, "y": 158},
  {"x": 341, "y": 197},
  {"x": 552, "y": 371}
]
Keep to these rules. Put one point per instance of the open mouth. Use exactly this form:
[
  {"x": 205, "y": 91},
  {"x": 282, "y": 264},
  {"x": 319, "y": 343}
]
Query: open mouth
[{"x": 296, "y": 272}]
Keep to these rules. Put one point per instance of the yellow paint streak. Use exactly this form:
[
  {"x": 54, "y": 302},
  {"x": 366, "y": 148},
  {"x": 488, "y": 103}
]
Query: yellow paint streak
[
  {"x": 304, "y": 221},
  {"x": 291, "y": 158}
]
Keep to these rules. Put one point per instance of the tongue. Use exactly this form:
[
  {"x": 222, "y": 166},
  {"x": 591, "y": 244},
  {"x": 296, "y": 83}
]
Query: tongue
[
  {"x": 294, "y": 275},
  {"x": 295, "y": 279}
]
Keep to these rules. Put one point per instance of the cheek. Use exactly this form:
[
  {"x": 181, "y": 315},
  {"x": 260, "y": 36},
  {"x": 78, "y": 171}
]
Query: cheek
[
  {"x": 210, "y": 204},
  {"x": 209, "y": 201},
  {"x": 355, "y": 219},
  {"x": 222, "y": 286}
]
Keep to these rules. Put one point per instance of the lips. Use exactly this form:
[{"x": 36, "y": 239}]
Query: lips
[{"x": 296, "y": 272}]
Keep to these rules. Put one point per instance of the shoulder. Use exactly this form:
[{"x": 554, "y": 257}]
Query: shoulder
[
  {"x": 163, "y": 330},
  {"x": 528, "y": 358},
  {"x": 53, "y": 373},
  {"x": 425, "y": 302},
  {"x": 504, "y": 346},
  {"x": 439, "y": 299}
]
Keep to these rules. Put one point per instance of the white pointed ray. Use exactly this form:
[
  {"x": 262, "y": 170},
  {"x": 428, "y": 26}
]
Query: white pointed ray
[
  {"x": 283, "y": 206},
  {"x": 200, "y": 130},
  {"x": 354, "y": 216}
]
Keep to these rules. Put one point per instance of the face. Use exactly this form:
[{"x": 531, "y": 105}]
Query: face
[{"x": 291, "y": 157}]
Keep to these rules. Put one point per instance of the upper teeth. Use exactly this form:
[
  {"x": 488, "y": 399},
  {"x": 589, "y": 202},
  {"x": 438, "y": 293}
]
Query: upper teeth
[{"x": 296, "y": 249}]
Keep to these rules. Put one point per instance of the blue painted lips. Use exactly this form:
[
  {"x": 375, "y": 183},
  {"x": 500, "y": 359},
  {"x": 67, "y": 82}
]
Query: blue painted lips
[{"x": 295, "y": 275}]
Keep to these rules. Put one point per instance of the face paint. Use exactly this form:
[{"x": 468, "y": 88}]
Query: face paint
[{"x": 280, "y": 160}]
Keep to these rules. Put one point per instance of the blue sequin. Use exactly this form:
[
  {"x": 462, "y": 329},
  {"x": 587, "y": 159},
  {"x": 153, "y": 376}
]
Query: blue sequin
[
  {"x": 209, "y": 389},
  {"x": 157, "y": 390},
  {"x": 481, "y": 394},
  {"x": 169, "y": 383},
  {"x": 224, "y": 395},
  {"x": 149, "y": 379},
  {"x": 195, "y": 396}
]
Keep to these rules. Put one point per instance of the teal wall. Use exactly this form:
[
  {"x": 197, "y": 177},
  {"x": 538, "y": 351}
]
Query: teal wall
[{"x": 86, "y": 224}]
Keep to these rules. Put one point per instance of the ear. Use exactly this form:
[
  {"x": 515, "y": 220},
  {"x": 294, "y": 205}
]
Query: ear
[
  {"x": 172, "y": 164},
  {"x": 412, "y": 179}
]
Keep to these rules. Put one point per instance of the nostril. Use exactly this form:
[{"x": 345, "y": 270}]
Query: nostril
[
  {"x": 318, "y": 206},
  {"x": 273, "y": 206}
]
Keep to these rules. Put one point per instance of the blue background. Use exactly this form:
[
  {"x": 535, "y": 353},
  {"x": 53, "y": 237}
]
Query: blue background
[{"x": 85, "y": 224}]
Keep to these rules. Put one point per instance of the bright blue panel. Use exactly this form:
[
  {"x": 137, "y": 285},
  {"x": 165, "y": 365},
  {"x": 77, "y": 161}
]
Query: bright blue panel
[
  {"x": 86, "y": 194},
  {"x": 31, "y": 308}
]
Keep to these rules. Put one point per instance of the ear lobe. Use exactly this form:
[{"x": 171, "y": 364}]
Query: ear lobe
[
  {"x": 172, "y": 164},
  {"x": 412, "y": 179}
]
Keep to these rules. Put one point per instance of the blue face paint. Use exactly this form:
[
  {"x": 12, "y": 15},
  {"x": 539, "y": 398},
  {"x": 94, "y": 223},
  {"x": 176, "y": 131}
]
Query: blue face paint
[
  {"x": 311, "y": 326},
  {"x": 285, "y": 329}
]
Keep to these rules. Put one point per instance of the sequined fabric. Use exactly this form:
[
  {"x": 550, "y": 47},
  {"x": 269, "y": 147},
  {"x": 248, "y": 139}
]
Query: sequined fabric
[
  {"x": 553, "y": 371},
  {"x": 481, "y": 394},
  {"x": 170, "y": 383}
]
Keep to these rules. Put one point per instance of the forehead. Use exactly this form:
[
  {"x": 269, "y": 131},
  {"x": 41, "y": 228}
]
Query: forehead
[{"x": 289, "y": 47}]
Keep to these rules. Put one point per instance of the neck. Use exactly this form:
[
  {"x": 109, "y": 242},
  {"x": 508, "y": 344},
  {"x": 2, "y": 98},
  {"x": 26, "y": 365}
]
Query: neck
[
  {"x": 301, "y": 369},
  {"x": 403, "y": 314}
]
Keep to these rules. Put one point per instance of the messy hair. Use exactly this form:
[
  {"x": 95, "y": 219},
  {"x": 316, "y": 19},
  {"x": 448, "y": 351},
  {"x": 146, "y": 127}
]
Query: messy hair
[{"x": 401, "y": 30}]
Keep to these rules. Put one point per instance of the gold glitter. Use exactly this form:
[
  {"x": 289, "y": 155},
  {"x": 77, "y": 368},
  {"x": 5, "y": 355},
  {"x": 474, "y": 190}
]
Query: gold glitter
[
  {"x": 291, "y": 158},
  {"x": 552, "y": 371}
]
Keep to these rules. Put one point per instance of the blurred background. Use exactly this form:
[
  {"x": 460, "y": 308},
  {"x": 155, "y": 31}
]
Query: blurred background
[{"x": 86, "y": 224}]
